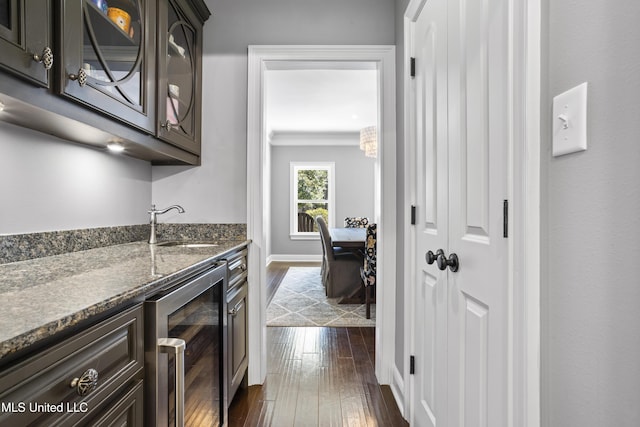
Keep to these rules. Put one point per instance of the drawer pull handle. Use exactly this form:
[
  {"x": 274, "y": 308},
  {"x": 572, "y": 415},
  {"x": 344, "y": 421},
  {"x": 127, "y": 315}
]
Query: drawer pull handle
[
  {"x": 234, "y": 311},
  {"x": 86, "y": 383},
  {"x": 235, "y": 265}
]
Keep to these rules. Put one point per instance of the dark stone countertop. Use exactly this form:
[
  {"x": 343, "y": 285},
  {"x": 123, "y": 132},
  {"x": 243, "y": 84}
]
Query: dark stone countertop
[{"x": 42, "y": 297}]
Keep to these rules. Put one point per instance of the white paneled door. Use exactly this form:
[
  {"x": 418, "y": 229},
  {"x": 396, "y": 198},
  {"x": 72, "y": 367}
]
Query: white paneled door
[
  {"x": 431, "y": 134},
  {"x": 461, "y": 115}
]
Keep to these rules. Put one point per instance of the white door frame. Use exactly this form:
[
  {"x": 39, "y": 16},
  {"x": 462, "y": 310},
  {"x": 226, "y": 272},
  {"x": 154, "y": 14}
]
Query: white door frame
[
  {"x": 261, "y": 58},
  {"x": 524, "y": 215}
]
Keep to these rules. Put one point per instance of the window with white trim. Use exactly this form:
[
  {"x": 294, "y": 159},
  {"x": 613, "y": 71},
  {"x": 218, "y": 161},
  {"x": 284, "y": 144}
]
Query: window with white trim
[{"x": 312, "y": 194}]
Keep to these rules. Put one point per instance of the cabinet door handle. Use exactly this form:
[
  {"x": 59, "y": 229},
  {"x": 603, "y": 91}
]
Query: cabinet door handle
[
  {"x": 81, "y": 77},
  {"x": 45, "y": 58},
  {"x": 176, "y": 346},
  {"x": 86, "y": 383}
]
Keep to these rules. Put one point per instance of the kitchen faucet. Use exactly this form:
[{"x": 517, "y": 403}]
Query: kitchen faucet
[{"x": 152, "y": 220}]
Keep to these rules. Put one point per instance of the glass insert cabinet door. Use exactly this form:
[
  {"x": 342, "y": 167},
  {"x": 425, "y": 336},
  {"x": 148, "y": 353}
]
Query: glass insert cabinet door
[
  {"x": 111, "y": 67},
  {"x": 25, "y": 45},
  {"x": 180, "y": 64}
]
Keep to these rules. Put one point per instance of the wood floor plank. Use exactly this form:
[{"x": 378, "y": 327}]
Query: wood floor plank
[
  {"x": 284, "y": 410},
  {"x": 344, "y": 347},
  {"x": 318, "y": 377},
  {"x": 307, "y": 403}
]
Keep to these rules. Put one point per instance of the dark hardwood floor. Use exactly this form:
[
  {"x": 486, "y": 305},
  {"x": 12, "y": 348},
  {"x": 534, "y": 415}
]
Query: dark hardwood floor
[{"x": 317, "y": 376}]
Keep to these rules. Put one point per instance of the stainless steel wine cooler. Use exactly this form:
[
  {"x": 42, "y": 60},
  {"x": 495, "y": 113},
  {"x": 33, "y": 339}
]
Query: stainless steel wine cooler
[{"x": 184, "y": 353}]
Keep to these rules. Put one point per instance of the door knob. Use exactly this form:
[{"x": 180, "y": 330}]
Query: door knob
[
  {"x": 431, "y": 257},
  {"x": 453, "y": 263}
]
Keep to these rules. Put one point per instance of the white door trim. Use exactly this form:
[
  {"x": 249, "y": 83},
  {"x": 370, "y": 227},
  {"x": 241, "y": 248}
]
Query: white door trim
[
  {"x": 260, "y": 59},
  {"x": 524, "y": 215}
]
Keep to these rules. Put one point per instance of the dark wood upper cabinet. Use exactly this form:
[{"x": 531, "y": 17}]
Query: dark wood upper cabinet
[
  {"x": 74, "y": 69},
  {"x": 180, "y": 26},
  {"x": 107, "y": 66},
  {"x": 26, "y": 49}
]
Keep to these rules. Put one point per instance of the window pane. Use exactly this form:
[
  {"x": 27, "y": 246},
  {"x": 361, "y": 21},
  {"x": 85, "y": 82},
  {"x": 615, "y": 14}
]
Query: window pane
[
  {"x": 313, "y": 184},
  {"x": 313, "y": 210}
]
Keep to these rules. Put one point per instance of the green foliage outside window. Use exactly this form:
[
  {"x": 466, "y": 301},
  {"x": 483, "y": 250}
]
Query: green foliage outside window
[
  {"x": 313, "y": 193},
  {"x": 313, "y": 184},
  {"x": 319, "y": 211}
]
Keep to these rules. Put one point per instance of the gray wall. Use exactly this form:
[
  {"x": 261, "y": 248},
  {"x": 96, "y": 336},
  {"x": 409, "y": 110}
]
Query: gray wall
[
  {"x": 354, "y": 174},
  {"x": 217, "y": 190},
  {"x": 591, "y": 229},
  {"x": 47, "y": 184}
]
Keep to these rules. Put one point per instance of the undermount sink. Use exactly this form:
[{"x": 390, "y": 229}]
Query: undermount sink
[{"x": 188, "y": 244}]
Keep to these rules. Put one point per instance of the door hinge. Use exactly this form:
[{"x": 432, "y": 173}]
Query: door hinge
[
  {"x": 413, "y": 214},
  {"x": 412, "y": 365},
  {"x": 413, "y": 67},
  {"x": 505, "y": 219}
]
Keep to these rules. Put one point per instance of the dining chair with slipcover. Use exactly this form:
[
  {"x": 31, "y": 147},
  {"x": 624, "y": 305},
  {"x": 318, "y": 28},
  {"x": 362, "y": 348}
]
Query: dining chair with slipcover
[{"x": 341, "y": 269}]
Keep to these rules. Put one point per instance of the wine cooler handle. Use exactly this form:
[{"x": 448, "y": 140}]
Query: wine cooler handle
[{"x": 176, "y": 346}]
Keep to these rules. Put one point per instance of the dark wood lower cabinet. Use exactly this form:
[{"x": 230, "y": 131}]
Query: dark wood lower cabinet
[
  {"x": 127, "y": 411},
  {"x": 237, "y": 339},
  {"x": 237, "y": 316},
  {"x": 94, "y": 375}
]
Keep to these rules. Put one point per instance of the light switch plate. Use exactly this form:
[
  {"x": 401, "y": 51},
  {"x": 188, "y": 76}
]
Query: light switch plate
[{"x": 570, "y": 121}]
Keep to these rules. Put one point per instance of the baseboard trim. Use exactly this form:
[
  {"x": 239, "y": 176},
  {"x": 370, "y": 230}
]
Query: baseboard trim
[
  {"x": 293, "y": 258},
  {"x": 397, "y": 389}
]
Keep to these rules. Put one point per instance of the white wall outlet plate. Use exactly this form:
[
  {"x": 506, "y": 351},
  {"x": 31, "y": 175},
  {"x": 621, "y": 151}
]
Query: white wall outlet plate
[{"x": 570, "y": 121}]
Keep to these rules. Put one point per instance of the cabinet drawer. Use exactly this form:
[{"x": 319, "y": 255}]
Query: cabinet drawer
[
  {"x": 44, "y": 389},
  {"x": 127, "y": 411},
  {"x": 237, "y": 264}
]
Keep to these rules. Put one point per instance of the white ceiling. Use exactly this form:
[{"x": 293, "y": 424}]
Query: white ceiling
[{"x": 320, "y": 100}]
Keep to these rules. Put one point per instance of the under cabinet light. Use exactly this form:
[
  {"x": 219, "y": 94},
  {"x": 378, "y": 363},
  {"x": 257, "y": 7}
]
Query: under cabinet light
[
  {"x": 115, "y": 147},
  {"x": 1, "y": 106}
]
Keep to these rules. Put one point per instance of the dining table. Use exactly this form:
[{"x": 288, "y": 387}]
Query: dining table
[{"x": 348, "y": 237}]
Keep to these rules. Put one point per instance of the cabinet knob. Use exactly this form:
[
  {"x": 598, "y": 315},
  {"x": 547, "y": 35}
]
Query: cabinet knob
[
  {"x": 45, "y": 58},
  {"x": 81, "y": 77},
  {"x": 167, "y": 126},
  {"x": 86, "y": 383}
]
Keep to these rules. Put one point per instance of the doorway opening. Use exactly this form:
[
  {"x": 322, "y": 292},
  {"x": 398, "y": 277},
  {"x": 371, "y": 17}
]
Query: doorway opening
[{"x": 265, "y": 59}]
